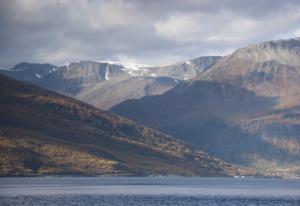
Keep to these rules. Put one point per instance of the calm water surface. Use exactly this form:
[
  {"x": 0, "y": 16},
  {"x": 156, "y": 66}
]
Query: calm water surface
[{"x": 146, "y": 191}]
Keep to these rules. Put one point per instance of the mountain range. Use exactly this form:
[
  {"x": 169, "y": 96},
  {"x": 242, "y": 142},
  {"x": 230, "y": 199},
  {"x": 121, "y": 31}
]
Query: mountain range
[
  {"x": 245, "y": 108},
  {"x": 45, "y": 133},
  {"x": 105, "y": 84}
]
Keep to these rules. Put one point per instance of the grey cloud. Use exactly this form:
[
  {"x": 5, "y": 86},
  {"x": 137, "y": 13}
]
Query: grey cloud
[{"x": 151, "y": 32}]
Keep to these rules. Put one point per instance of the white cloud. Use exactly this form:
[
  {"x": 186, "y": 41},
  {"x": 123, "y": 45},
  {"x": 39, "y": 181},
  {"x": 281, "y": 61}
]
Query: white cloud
[
  {"x": 102, "y": 15},
  {"x": 225, "y": 26},
  {"x": 187, "y": 27},
  {"x": 143, "y": 31}
]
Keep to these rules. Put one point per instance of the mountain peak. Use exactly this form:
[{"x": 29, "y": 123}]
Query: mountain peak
[{"x": 285, "y": 51}]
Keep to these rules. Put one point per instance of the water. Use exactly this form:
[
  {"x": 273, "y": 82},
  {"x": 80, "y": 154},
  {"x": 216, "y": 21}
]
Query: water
[{"x": 148, "y": 191}]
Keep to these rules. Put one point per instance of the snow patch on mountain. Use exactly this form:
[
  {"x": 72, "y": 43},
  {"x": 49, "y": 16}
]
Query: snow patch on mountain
[
  {"x": 188, "y": 62},
  {"x": 133, "y": 69},
  {"x": 52, "y": 70},
  {"x": 106, "y": 75},
  {"x": 38, "y": 75}
]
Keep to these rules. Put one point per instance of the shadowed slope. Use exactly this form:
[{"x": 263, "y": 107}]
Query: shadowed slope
[
  {"x": 244, "y": 109},
  {"x": 42, "y": 132}
]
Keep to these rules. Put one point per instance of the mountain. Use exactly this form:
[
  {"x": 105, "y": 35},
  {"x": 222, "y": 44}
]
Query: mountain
[
  {"x": 269, "y": 68},
  {"x": 30, "y": 72},
  {"x": 110, "y": 93},
  {"x": 69, "y": 80},
  {"x": 182, "y": 71},
  {"x": 244, "y": 109},
  {"x": 42, "y": 132},
  {"x": 105, "y": 84}
]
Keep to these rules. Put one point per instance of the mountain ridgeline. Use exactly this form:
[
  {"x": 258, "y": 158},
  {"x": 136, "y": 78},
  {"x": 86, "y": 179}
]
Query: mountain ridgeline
[
  {"x": 42, "y": 132},
  {"x": 104, "y": 84},
  {"x": 244, "y": 109}
]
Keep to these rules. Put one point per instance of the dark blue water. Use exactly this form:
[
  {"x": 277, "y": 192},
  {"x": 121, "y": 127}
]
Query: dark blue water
[{"x": 146, "y": 191}]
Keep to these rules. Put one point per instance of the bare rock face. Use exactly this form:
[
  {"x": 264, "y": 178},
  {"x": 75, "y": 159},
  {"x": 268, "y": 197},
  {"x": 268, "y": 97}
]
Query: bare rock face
[
  {"x": 88, "y": 72},
  {"x": 219, "y": 117},
  {"x": 75, "y": 77}
]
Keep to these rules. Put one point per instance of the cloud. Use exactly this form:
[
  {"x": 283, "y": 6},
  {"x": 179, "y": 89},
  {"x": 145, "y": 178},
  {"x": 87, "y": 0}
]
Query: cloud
[
  {"x": 207, "y": 27},
  {"x": 224, "y": 27},
  {"x": 150, "y": 32}
]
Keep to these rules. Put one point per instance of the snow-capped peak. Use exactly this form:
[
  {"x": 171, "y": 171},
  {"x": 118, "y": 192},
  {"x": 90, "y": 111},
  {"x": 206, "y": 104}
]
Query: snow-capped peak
[
  {"x": 127, "y": 65},
  {"x": 110, "y": 62},
  {"x": 134, "y": 66},
  {"x": 188, "y": 62},
  {"x": 133, "y": 69}
]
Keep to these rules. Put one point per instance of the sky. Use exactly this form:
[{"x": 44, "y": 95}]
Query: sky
[{"x": 152, "y": 32}]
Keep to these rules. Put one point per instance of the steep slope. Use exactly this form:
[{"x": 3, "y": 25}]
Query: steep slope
[
  {"x": 202, "y": 113},
  {"x": 110, "y": 93},
  {"x": 269, "y": 68},
  {"x": 42, "y": 132},
  {"x": 105, "y": 84},
  {"x": 214, "y": 111}
]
